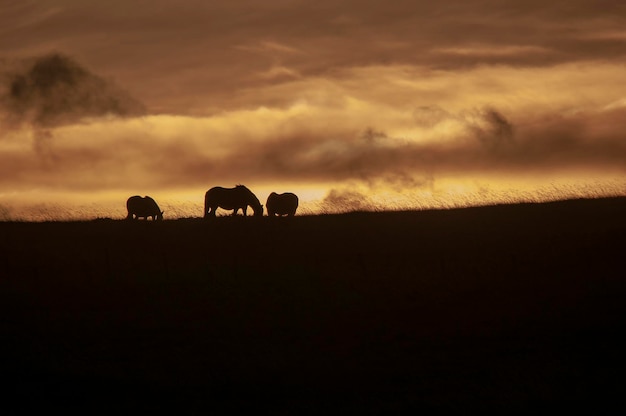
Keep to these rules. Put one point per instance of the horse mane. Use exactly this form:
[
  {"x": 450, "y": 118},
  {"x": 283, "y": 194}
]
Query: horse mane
[
  {"x": 249, "y": 192},
  {"x": 241, "y": 187}
]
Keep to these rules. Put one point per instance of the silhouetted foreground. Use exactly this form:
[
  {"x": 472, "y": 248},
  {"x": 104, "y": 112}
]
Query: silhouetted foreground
[{"x": 506, "y": 308}]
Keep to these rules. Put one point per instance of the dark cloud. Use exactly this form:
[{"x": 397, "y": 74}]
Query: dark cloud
[
  {"x": 493, "y": 128},
  {"x": 54, "y": 90},
  {"x": 192, "y": 57},
  {"x": 429, "y": 116},
  {"x": 490, "y": 144},
  {"x": 483, "y": 142},
  {"x": 371, "y": 135}
]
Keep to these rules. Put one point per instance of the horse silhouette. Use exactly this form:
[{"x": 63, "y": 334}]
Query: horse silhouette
[
  {"x": 282, "y": 204},
  {"x": 145, "y": 207},
  {"x": 231, "y": 198}
]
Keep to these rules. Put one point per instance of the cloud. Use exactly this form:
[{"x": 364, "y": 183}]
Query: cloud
[
  {"x": 399, "y": 126},
  {"x": 269, "y": 47},
  {"x": 491, "y": 127},
  {"x": 279, "y": 73},
  {"x": 487, "y": 51},
  {"x": 297, "y": 146},
  {"x": 53, "y": 90},
  {"x": 216, "y": 51}
]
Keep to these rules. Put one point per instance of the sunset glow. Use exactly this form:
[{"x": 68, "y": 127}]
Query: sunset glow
[{"x": 351, "y": 105}]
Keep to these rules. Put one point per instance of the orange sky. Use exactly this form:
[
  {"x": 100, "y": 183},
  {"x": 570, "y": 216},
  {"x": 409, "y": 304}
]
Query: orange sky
[{"x": 350, "y": 104}]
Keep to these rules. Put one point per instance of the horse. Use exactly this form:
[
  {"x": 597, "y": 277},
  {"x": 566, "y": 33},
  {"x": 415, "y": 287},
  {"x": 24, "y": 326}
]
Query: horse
[
  {"x": 282, "y": 204},
  {"x": 145, "y": 207},
  {"x": 231, "y": 198}
]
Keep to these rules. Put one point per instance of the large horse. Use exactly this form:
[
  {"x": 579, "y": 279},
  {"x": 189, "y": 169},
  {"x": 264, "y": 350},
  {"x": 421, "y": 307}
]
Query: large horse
[
  {"x": 231, "y": 198},
  {"x": 282, "y": 204},
  {"x": 145, "y": 207}
]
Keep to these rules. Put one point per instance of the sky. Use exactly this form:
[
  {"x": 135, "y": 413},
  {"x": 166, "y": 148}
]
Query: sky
[{"x": 352, "y": 105}]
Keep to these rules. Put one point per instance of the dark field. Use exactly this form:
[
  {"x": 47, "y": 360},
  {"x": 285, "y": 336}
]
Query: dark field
[{"x": 508, "y": 308}]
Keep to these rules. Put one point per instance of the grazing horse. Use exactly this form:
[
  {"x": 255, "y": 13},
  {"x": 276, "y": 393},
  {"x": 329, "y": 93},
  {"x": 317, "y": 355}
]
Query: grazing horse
[
  {"x": 145, "y": 207},
  {"x": 282, "y": 204},
  {"x": 231, "y": 198}
]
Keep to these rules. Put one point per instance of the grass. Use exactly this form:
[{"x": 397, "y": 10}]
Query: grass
[{"x": 503, "y": 308}]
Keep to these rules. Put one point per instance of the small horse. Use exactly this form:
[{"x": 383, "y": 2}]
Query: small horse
[
  {"x": 145, "y": 207},
  {"x": 282, "y": 204},
  {"x": 231, "y": 198}
]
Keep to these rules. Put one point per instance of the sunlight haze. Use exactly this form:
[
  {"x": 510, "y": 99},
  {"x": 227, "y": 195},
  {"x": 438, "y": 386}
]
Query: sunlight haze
[{"x": 352, "y": 105}]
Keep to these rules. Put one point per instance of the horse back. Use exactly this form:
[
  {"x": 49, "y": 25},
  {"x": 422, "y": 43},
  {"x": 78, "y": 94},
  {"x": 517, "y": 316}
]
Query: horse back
[
  {"x": 282, "y": 204},
  {"x": 220, "y": 197},
  {"x": 142, "y": 207}
]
